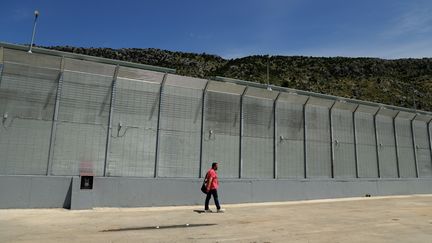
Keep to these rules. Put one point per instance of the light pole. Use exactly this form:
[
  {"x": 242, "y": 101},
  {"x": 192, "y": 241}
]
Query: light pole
[
  {"x": 268, "y": 72},
  {"x": 36, "y": 13}
]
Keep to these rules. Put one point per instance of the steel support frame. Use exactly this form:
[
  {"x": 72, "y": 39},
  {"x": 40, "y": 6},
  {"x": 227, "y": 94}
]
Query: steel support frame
[
  {"x": 378, "y": 145},
  {"x": 396, "y": 144},
  {"x": 202, "y": 128},
  {"x": 428, "y": 127},
  {"x": 1, "y": 73},
  {"x": 55, "y": 119},
  {"x": 414, "y": 145},
  {"x": 241, "y": 133},
  {"x": 355, "y": 140},
  {"x": 305, "y": 138},
  {"x": 156, "y": 167},
  {"x": 1, "y": 63},
  {"x": 275, "y": 162},
  {"x": 110, "y": 118},
  {"x": 331, "y": 140}
]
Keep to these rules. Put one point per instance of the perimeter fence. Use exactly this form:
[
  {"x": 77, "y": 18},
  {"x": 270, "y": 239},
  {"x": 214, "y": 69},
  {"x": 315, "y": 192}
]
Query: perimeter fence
[{"x": 60, "y": 113}]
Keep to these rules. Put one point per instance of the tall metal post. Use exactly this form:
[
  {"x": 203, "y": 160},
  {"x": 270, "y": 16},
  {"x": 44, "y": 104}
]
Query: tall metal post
[
  {"x": 36, "y": 13},
  {"x": 428, "y": 127},
  {"x": 268, "y": 72},
  {"x": 396, "y": 144},
  {"x": 378, "y": 145},
  {"x": 414, "y": 145},
  {"x": 1, "y": 63},
  {"x": 202, "y": 128},
  {"x": 331, "y": 140},
  {"x": 241, "y": 133},
  {"x": 156, "y": 167},
  {"x": 55, "y": 118},
  {"x": 110, "y": 118},
  {"x": 275, "y": 162},
  {"x": 355, "y": 141},
  {"x": 304, "y": 138}
]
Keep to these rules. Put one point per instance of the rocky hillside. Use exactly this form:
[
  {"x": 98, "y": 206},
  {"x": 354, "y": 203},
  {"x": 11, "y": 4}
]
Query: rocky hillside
[{"x": 402, "y": 82}]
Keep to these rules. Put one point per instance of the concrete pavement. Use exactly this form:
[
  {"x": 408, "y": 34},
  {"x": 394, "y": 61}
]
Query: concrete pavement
[{"x": 381, "y": 219}]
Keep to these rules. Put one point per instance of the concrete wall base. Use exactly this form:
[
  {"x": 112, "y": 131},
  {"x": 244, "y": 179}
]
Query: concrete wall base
[{"x": 65, "y": 192}]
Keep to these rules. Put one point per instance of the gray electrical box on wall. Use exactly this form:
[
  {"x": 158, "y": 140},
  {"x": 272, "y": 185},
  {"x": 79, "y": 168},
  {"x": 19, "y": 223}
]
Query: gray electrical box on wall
[
  {"x": 86, "y": 175},
  {"x": 86, "y": 182}
]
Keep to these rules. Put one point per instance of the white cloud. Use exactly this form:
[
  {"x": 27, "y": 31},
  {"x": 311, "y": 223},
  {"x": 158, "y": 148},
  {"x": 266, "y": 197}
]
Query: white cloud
[
  {"x": 413, "y": 22},
  {"x": 408, "y": 35}
]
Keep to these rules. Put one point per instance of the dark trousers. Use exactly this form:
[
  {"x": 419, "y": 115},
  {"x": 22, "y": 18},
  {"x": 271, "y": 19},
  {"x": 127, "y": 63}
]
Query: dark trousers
[{"x": 215, "y": 197}]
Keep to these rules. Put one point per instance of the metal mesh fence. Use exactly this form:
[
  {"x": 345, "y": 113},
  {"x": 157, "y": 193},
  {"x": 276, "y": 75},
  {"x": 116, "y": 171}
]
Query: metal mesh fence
[
  {"x": 28, "y": 86},
  {"x": 134, "y": 127},
  {"x": 82, "y": 126},
  {"x": 343, "y": 143},
  {"x": 180, "y": 132},
  {"x": 61, "y": 114},
  {"x": 221, "y": 131},
  {"x": 290, "y": 137},
  {"x": 407, "y": 167},
  {"x": 366, "y": 145},
  {"x": 386, "y": 147},
  {"x": 258, "y": 133},
  {"x": 318, "y": 142},
  {"x": 422, "y": 148}
]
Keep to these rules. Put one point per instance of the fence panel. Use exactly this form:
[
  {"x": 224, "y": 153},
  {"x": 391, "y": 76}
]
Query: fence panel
[
  {"x": 343, "y": 140},
  {"x": 405, "y": 146},
  {"x": 28, "y": 87},
  {"x": 222, "y": 128},
  {"x": 318, "y": 150},
  {"x": 366, "y": 144},
  {"x": 180, "y": 127},
  {"x": 82, "y": 126},
  {"x": 386, "y": 144},
  {"x": 290, "y": 136},
  {"x": 422, "y": 146},
  {"x": 258, "y": 133},
  {"x": 135, "y": 114}
]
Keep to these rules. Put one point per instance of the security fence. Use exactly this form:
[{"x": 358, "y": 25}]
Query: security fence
[{"x": 61, "y": 113}]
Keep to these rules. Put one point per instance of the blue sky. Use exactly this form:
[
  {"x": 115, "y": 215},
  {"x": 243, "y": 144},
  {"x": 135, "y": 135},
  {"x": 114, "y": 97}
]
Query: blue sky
[{"x": 236, "y": 28}]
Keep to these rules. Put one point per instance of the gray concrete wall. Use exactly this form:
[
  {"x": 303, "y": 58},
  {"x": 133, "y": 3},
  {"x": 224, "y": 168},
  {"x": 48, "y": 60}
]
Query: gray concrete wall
[
  {"x": 65, "y": 192},
  {"x": 35, "y": 192}
]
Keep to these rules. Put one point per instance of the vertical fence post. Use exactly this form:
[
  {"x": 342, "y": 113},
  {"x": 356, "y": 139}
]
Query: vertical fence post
[
  {"x": 304, "y": 138},
  {"x": 275, "y": 162},
  {"x": 202, "y": 128},
  {"x": 156, "y": 167},
  {"x": 428, "y": 127},
  {"x": 331, "y": 140},
  {"x": 377, "y": 144},
  {"x": 241, "y": 133},
  {"x": 55, "y": 118},
  {"x": 110, "y": 118},
  {"x": 1, "y": 63},
  {"x": 396, "y": 144},
  {"x": 414, "y": 145},
  {"x": 355, "y": 140}
]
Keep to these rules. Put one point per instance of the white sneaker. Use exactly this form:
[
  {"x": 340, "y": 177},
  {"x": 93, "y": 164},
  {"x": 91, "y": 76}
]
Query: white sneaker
[
  {"x": 222, "y": 210},
  {"x": 208, "y": 211}
]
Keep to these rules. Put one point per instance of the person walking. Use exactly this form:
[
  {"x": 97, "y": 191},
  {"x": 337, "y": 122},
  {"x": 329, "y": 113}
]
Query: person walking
[{"x": 212, "y": 184}]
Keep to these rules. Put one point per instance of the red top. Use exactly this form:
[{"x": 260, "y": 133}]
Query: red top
[{"x": 215, "y": 183}]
